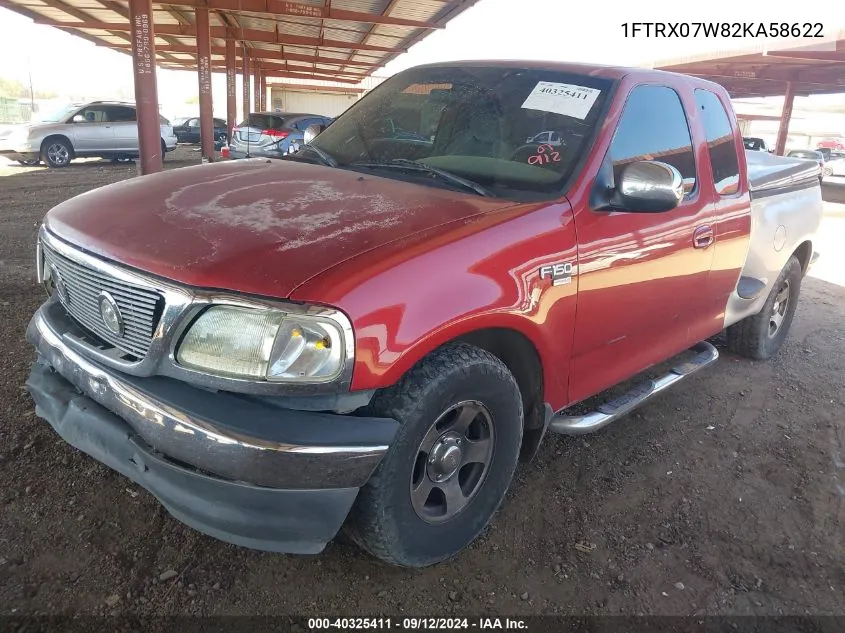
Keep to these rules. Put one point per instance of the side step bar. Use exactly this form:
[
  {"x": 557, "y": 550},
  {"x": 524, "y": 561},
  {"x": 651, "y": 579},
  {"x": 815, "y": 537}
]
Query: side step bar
[{"x": 627, "y": 402}]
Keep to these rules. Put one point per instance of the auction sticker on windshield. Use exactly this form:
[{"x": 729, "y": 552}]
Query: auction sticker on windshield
[{"x": 565, "y": 99}]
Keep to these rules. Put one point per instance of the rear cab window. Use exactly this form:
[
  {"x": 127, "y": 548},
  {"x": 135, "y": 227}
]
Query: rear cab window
[
  {"x": 264, "y": 121},
  {"x": 654, "y": 126},
  {"x": 720, "y": 142}
]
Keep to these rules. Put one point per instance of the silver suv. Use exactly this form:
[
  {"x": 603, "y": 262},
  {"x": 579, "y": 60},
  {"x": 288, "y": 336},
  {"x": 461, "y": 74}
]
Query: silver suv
[{"x": 107, "y": 129}]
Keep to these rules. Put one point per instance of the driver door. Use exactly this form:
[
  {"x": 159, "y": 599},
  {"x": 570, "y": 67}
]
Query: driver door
[
  {"x": 642, "y": 293},
  {"x": 192, "y": 127},
  {"x": 94, "y": 132}
]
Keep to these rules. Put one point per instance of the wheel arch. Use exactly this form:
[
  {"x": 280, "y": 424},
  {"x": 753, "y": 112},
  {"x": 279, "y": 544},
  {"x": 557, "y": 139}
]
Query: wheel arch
[
  {"x": 62, "y": 137},
  {"x": 514, "y": 342},
  {"x": 804, "y": 253},
  {"x": 521, "y": 357}
]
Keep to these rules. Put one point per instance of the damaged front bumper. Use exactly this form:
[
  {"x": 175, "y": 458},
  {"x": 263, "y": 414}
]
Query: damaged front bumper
[{"x": 238, "y": 468}]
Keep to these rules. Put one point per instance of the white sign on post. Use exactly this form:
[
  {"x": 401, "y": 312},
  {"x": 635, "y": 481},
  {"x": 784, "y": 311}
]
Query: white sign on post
[{"x": 565, "y": 99}]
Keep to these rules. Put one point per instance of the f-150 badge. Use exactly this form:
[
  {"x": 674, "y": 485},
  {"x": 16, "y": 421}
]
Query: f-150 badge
[{"x": 560, "y": 274}]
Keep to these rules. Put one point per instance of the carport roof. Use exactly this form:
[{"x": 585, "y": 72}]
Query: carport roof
[
  {"x": 338, "y": 40},
  {"x": 815, "y": 69}
]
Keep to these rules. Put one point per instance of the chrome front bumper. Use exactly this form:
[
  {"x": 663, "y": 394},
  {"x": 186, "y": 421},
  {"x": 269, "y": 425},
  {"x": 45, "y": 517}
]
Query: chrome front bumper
[{"x": 234, "y": 437}]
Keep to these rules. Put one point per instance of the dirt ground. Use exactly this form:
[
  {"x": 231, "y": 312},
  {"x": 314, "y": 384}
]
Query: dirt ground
[{"x": 723, "y": 496}]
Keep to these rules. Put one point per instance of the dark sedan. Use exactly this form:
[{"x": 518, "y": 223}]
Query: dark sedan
[{"x": 187, "y": 130}]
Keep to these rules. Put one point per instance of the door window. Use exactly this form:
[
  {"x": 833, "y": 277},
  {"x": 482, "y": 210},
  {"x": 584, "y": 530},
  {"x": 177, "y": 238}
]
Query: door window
[
  {"x": 720, "y": 142},
  {"x": 94, "y": 114},
  {"x": 121, "y": 114},
  {"x": 303, "y": 124},
  {"x": 654, "y": 127}
]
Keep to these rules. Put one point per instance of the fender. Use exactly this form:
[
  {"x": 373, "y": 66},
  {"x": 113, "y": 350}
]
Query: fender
[
  {"x": 782, "y": 224},
  {"x": 411, "y": 296}
]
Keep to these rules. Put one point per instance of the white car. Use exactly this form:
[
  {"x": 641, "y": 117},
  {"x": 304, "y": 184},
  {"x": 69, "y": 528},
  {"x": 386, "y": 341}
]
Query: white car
[
  {"x": 106, "y": 129},
  {"x": 834, "y": 167}
]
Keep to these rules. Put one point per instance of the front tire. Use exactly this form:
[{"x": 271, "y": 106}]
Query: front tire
[
  {"x": 56, "y": 153},
  {"x": 451, "y": 462},
  {"x": 761, "y": 335}
]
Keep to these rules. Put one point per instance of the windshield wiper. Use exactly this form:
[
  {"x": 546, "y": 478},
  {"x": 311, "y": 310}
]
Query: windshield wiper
[
  {"x": 325, "y": 158},
  {"x": 404, "y": 163}
]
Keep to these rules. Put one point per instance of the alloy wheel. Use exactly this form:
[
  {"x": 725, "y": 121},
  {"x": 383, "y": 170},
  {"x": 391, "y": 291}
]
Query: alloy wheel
[
  {"x": 779, "y": 308},
  {"x": 58, "y": 154},
  {"x": 452, "y": 461}
]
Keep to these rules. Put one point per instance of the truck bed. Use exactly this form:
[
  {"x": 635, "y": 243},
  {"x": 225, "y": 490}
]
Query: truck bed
[{"x": 767, "y": 171}]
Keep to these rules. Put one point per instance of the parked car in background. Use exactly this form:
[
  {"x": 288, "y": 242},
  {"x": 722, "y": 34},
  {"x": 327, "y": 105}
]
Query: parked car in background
[
  {"x": 835, "y": 166},
  {"x": 755, "y": 144},
  {"x": 187, "y": 130},
  {"x": 809, "y": 154},
  {"x": 372, "y": 331},
  {"x": 832, "y": 144},
  {"x": 105, "y": 129},
  {"x": 272, "y": 134}
]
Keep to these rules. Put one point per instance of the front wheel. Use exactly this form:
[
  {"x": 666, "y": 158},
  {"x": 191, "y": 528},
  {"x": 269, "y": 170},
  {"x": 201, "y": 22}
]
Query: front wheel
[
  {"x": 56, "y": 152},
  {"x": 761, "y": 335},
  {"x": 451, "y": 462}
]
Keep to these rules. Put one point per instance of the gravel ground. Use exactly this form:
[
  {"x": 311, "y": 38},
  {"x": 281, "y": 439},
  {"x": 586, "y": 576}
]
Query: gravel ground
[{"x": 723, "y": 496}]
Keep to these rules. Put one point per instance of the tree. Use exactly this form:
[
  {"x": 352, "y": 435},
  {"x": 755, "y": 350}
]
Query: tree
[{"x": 12, "y": 88}]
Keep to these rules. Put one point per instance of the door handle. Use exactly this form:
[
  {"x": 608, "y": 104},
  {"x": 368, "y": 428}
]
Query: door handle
[{"x": 703, "y": 237}]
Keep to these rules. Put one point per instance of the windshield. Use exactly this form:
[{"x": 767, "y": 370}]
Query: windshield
[
  {"x": 513, "y": 130},
  {"x": 180, "y": 120},
  {"x": 57, "y": 116}
]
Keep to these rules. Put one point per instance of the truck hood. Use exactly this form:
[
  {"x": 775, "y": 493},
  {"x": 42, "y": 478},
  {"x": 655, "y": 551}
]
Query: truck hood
[{"x": 255, "y": 226}]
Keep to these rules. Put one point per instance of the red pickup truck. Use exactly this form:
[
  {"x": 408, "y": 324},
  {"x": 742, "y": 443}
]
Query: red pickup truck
[{"x": 369, "y": 334}]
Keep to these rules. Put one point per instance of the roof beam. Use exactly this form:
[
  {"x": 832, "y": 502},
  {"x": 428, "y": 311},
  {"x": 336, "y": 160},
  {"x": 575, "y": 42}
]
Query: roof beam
[
  {"x": 259, "y": 53},
  {"x": 303, "y": 71},
  {"x": 781, "y": 80},
  {"x": 824, "y": 56},
  {"x": 451, "y": 10},
  {"x": 296, "y": 9},
  {"x": 387, "y": 10},
  {"x": 310, "y": 88},
  {"x": 124, "y": 11},
  {"x": 81, "y": 15},
  {"x": 271, "y": 72},
  {"x": 37, "y": 18},
  {"x": 243, "y": 35}
]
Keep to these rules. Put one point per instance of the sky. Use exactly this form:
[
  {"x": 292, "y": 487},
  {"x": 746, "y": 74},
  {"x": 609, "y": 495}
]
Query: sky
[{"x": 493, "y": 29}]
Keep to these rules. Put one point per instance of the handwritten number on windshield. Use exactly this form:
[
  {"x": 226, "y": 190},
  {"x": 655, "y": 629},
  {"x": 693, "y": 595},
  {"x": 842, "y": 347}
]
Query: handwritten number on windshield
[{"x": 545, "y": 154}]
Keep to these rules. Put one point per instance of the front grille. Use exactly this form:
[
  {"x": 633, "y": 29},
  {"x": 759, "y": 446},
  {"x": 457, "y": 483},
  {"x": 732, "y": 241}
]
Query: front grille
[{"x": 139, "y": 307}]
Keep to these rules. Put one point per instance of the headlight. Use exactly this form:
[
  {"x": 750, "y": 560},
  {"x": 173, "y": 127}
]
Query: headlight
[{"x": 263, "y": 344}]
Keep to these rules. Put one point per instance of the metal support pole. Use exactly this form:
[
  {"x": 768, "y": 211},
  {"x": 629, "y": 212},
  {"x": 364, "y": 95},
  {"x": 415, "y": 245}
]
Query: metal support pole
[
  {"x": 256, "y": 79},
  {"x": 263, "y": 92},
  {"x": 204, "y": 76},
  {"x": 150, "y": 146},
  {"x": 231, "y": 91},
  {"x": 246, "y": 89},
  {"x": 785, "y": 116}
]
